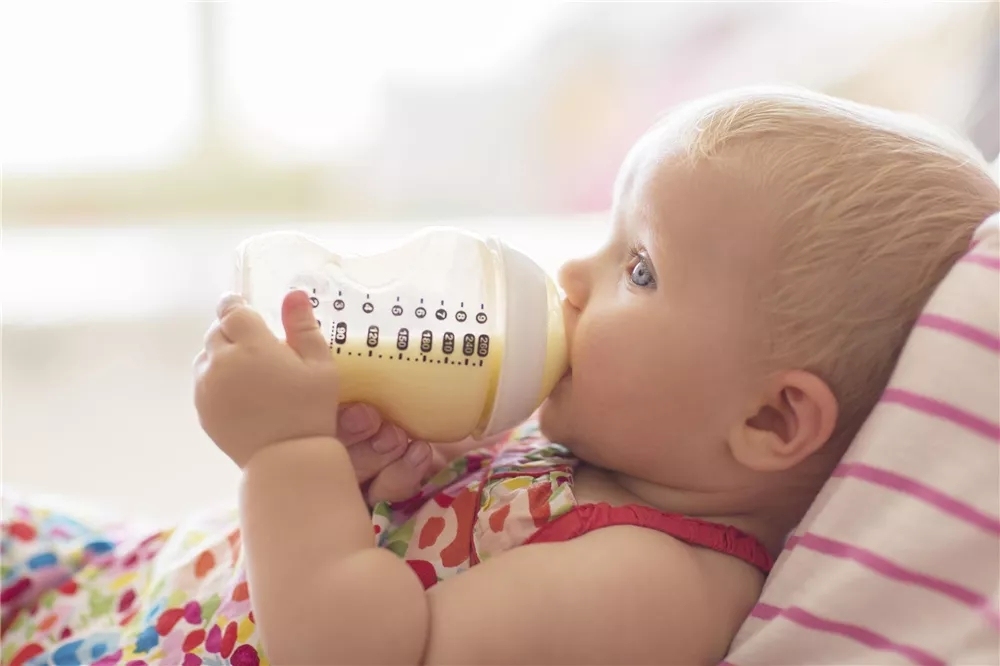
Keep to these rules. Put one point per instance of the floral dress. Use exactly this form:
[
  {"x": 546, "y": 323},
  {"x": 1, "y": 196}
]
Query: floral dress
[{"x": 85, "y": 590}]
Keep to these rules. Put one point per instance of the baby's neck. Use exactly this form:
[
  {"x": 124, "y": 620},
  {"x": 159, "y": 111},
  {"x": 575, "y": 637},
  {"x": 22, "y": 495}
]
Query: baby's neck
[{"x": 771, "y": 527}]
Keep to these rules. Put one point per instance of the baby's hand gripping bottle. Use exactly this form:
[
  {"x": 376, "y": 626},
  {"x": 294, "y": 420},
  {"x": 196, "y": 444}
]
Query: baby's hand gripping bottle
[{"x": 448, "y": 335}]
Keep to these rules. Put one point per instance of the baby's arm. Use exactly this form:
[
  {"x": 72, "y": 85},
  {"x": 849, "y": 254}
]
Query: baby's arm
[
  {"x": 321, "y": 590},
  {"x": 318, "y": 585}
]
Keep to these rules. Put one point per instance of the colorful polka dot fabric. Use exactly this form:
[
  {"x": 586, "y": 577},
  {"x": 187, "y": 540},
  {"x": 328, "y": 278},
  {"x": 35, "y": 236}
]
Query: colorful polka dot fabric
[{"x": 85, "y": 592}]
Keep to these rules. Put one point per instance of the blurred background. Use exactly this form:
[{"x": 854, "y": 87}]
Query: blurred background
[{"x": 140, "y": 142}]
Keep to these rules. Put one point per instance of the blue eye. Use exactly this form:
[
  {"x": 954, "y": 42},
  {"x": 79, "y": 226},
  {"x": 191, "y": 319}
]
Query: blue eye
[{"x": 640, "y": 273}]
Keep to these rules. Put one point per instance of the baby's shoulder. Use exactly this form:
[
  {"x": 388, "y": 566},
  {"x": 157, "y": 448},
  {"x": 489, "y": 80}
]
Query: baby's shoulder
[
  {"x": 626, "y": 594},
  {"x": 665, "y": 559},
  {"x": 707, "y": 592}
]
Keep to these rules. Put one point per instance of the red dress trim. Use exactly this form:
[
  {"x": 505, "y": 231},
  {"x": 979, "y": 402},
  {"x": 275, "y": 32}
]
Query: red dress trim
[{"x": 721, "y": 538}]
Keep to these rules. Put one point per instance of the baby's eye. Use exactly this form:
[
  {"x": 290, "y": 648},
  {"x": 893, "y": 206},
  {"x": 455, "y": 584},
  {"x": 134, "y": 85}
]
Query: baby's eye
[{"x": 640, "y": 273}]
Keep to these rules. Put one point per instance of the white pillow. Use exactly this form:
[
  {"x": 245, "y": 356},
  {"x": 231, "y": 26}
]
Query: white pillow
[{"x": 898, "y": 559}]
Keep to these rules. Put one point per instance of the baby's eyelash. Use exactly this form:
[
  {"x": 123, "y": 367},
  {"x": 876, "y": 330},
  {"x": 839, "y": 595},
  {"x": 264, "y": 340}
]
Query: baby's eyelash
[
  {"x": 635, "y": 251},
  {"x": 637, "y": 256}
]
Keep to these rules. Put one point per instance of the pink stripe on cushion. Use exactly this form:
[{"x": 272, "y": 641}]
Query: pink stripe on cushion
[
  {"x": 983, "y": 260},
  {"x": 942, "y": 410},
  {"x": 861, "y": 635},
  {"x": 920, "y": 491},
  {"x": 960, "y": 329},
  {"x": 977, "y": 602}
]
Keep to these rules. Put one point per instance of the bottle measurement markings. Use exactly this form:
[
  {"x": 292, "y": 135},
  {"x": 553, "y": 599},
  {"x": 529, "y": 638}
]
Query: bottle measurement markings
[{"x": 474, "y": 347}]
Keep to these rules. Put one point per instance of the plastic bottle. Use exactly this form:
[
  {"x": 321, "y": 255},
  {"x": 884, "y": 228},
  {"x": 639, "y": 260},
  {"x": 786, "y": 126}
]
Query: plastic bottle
[{"x": 449, "y": 335}]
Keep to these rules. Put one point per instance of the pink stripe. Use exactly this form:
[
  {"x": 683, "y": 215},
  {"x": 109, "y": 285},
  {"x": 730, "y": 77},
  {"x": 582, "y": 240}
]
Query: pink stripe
[
  {"x": 960, "y": 329},
  {"x": 942, "y": 410},
  {"x": 977, "y": 602},
  {"x": 937, "y": 499},
  {"x": 983, "y": 260},
  {"x": 861, "y": 635}
]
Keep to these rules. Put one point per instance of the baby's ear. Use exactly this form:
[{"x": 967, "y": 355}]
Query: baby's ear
[{"x": 794, "y": 417}]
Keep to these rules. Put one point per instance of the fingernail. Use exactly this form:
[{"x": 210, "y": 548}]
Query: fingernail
[
  {"x": 418, "y": 453},
  {"x": 228, "y": 302},
  {"x": 357, "y": 418},
  {"x": 388, "y": 440},
  {"x": 303, "y": 296}
]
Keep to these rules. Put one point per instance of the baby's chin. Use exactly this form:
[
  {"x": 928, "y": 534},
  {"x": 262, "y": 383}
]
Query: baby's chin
[{"x": 557, "y": 422}]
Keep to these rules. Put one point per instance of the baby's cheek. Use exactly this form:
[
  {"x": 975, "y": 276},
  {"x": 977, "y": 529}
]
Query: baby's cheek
[{"x": 606, "y": 366}]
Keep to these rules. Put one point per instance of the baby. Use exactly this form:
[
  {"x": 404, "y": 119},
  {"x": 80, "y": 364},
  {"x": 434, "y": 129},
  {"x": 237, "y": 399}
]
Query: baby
[{"x": 769, "y": 252}]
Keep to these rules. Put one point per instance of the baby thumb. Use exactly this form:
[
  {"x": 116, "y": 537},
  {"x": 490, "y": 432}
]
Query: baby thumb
[{"x": 301, "y": 328}]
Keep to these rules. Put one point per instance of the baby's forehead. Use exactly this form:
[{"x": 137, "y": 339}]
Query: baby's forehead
[
  {"x": 690, "y": 208},
  {"x": 643, "y": 161}
]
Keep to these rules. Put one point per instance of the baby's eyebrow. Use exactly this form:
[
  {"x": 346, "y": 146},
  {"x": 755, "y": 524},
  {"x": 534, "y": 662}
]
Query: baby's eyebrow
[
  {"x": 655, "y": 245},
  {"x": 647, "y": 227}
]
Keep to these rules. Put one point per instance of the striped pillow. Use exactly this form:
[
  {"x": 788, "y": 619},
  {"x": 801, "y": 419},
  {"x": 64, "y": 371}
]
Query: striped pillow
[{"x": 898, "y": 559}]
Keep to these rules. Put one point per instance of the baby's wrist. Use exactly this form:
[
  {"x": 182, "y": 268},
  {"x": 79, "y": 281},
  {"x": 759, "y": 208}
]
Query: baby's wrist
[{"x": 305, "y": 449}]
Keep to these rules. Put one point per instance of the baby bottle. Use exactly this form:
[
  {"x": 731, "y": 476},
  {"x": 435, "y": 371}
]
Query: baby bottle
[{"x": 448, "y": 335}]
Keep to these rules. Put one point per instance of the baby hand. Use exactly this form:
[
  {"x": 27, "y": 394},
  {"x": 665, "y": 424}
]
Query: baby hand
[
  {"x": 389, "y": 464},
  {"x": 252, "y": 390}
]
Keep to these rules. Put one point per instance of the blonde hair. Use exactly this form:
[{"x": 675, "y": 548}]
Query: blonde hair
[{"x": 872, "y": 208}]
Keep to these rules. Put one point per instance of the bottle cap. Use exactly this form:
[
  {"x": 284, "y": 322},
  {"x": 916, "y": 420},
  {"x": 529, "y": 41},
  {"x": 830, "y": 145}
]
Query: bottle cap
[{"x": 525, "y": 302}]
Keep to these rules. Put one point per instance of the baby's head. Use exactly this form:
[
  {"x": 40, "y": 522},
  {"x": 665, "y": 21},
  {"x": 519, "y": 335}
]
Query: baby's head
[{"x": 770, "y": 251}]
